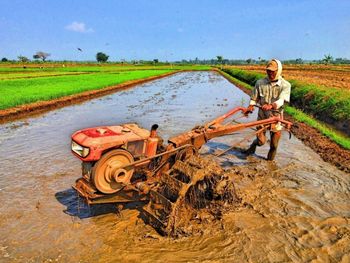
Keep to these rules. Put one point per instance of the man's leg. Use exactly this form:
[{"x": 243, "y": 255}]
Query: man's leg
[
  {"x": 275, "y": 138},
  {"x": 259, "y": 141}
]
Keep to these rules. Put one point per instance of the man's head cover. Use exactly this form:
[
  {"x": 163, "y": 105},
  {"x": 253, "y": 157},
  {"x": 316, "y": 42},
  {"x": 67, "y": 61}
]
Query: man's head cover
[{"x": 275, "y": 65}]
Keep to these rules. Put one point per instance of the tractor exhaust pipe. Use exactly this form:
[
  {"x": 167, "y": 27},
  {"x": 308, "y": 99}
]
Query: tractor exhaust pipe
[
  {"x": 152, "y": 141},
  {"x": 154, "y": 131}
]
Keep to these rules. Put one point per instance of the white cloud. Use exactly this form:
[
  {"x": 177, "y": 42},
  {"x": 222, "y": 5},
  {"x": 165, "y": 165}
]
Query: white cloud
[
  {"x": 180, "y": 30},
  {"x": 79, "y": 27}
]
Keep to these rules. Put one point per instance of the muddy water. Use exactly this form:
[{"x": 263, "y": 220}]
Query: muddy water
[{"x": 295, "y": 209}]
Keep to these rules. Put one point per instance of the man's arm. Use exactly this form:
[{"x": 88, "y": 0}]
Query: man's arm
[
  {"x": 255, "y": 95},
  {"x": 253, "y": 99},
  {"x": 283, "y": 97}
]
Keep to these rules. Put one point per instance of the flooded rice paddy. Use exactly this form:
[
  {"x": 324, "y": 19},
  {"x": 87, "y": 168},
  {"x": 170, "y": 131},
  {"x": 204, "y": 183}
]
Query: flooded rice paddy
[{"x": 295, "y": 209}]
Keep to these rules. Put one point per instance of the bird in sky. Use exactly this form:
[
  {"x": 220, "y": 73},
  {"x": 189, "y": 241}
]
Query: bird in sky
[{"x": 80, "y": 49}]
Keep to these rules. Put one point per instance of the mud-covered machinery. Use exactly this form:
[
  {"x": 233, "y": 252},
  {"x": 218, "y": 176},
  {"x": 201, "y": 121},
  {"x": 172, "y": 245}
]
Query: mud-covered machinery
[{"x": 127, "y": 163}]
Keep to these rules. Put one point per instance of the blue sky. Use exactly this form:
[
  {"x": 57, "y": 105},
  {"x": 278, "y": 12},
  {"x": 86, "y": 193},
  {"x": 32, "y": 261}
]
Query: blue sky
[{"x": 175, "y": 30}]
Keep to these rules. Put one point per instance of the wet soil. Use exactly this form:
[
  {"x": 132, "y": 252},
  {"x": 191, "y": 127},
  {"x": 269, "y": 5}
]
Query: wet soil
[
  {"x": 295, "y": 209},
  {"x": 306, "y": 221}
]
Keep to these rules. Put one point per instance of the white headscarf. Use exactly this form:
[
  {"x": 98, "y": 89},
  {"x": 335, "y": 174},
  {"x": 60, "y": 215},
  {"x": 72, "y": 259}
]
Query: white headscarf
[{"x": 279, "y": 69}]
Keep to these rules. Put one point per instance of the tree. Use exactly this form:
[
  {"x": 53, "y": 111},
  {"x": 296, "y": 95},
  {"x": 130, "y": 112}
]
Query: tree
[
  {"x": 342, "y": 61},
  {"x": 327, "y": 59},
  {"x": 249, "y": 60},
  {"x": 299, "y": 61},
  {"x": 23, "y": 58},
  {"x": 4, "y": 60},
  {"x": 219, "y": 58},
  {"x": 155, "y": 61},
  {"x": 41, "y": 55},
  {"x": 101, "y": 57}
]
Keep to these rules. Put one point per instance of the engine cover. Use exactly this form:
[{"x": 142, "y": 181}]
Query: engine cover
[{"x": 100, "y": 139}]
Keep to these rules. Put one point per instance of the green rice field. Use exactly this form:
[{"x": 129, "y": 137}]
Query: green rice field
[
  {"x": 19, "y": 86},
  {"x": 23, "y": 84}
]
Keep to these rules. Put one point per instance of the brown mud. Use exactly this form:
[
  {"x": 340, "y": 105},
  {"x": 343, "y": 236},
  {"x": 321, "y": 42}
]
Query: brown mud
[
  {"x": 305, "y": 222},
  {"x": 199, "y": 192},
  {"x": 327, "y": 149},
  {"x": 294, "y": 209},
  {"x": 43, "y": 106}
]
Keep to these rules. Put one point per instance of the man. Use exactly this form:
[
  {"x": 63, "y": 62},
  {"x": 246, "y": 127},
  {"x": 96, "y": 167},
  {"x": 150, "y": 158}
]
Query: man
[{"x": 271, "y": 93}]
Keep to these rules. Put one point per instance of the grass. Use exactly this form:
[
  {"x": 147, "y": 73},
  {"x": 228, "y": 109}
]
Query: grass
[
  {"x": 23, "y": 91},
  {"x": 36, "y": 74},
  {"x": 325, "y": 130},
  {"x": 298, "y": 115},
  {"x": 321, "y": 100},
  {"x": 245, "y": 76},
  {"x": 237, "y": 81}
]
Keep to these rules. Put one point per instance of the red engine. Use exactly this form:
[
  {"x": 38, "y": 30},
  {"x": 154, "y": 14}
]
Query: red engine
[{"x": 90, "y": 144}]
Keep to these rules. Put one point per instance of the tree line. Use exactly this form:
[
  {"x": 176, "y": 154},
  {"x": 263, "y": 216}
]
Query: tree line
[{"x": 101, "y": 57}]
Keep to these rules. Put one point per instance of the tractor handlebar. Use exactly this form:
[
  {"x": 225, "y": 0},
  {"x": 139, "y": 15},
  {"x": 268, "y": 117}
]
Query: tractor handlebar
[{"x": 248, "y": 110}]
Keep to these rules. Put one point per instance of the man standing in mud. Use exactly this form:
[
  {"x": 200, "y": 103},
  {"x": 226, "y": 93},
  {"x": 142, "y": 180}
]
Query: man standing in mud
[{"x": 270, "y": 93}]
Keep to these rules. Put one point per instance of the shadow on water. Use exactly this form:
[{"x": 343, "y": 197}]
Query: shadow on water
[{"x": 77, "y": 206}]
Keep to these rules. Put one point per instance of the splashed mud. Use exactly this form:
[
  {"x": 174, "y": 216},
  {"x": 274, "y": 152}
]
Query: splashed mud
[
  {"x": 295, "y": 209},
  {"x": 193, "y": 192}
]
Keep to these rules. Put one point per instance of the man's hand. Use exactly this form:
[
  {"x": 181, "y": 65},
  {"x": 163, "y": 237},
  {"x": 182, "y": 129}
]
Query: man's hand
[
  {"x": 267, "y": 107},
  {"x": 248, "y": 110}
]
